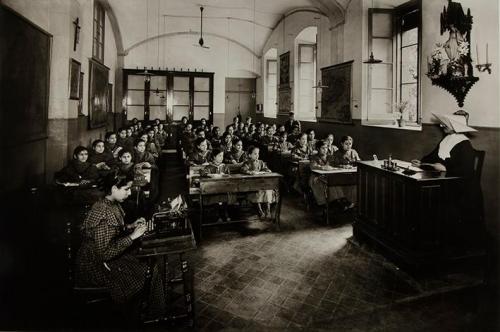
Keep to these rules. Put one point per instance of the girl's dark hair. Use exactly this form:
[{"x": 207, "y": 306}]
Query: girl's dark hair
[
  {"x": 122, "y": 129},
  {"x": 251, "y": 148},
  {"x": 320, "y": 143},
  {"x": 300, "y": 135},
  {"x": 199, "y": 130},
  {"x": 283, "y": 133},
  {"x": 113, "y": 179},
  {"x": 229, "y": 126},
  {"x": 236, "y": 140},
  {"x": 215, "y": 152},
  {"x": 345, "y": 138},
  {"x": 108, "y": 134},
  {"x": 225, "y": 135},
  {"x": 137, "y": 141},
  {"x": 79, "y": 149},
  {"x": 123, "y": 151},
  {"x": 97, "y": 141},
  {"x": 199, "y": 140},
  {"x": 214, "y": 128},
  {"x": 308, "y": 131}
]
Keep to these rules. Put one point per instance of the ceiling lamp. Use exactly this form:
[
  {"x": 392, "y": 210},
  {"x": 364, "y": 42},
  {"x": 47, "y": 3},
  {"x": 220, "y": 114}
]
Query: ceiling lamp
[{"x": 201, "y": 42}]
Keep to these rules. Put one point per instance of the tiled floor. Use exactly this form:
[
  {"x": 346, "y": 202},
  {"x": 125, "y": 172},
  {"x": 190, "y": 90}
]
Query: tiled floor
[{"x": 303, "y": 276}]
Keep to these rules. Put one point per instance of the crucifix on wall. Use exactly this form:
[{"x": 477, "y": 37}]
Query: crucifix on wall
[{"x": 77, "y": 33}]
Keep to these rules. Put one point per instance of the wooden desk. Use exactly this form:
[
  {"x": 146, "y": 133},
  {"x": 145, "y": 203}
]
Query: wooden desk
[
  {"x": 156, "y": 248},
  {"x": 239, "y": 183},
  {"x": 407, "y": 215},
  {"x": 335, "y": 177}
]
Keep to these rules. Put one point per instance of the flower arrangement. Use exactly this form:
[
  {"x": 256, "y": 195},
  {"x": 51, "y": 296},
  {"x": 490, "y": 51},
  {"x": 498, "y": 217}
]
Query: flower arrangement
[
  {"x": 449, "y": 59},
  {"x": 400, "y": 109}
]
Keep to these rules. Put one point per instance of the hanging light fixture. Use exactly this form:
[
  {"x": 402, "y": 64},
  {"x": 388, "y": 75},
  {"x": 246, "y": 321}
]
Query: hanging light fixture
[
  {"x": 371, "y": 58},
  {"x": 147, "y": 75}
]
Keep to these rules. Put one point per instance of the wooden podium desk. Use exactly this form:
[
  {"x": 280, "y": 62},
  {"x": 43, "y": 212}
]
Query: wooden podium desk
[{"x": 410, "y": 216}]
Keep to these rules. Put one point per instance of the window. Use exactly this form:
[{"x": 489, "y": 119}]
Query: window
[
  {"x": 98, "y": 39},
  {"x": 271, "y": 87},
  {"x": 394, "y": 39},
  {"x": 307, "y": 79}
]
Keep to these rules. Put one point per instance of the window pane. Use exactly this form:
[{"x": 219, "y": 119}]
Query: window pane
[
  {"x": 381, "y": 103},
  {"x": 271, "y": 80},
  {"x": 135, "y": 112},
  {"x": 409, "y": 93},
  {"x": 135, "y": 82},
  {"x": 306, "y": 87},
  {"x": 271, "y": 92},
  {"x": 409, "y": 60},
  {"x": 157, "y": 112},
  {"x": 202, "y": 98},
  {"x": 381, "y": 76},
  {"x": 180, "y": 111},
  {"x": 181, "y": 83},
  {"x": 382, "y": 49},
  {"x": 158, "y": 82},
  {"x": 157, "y": 100},
  {"x": 201, "y": 112},
  {"x": 181, "y": 98},
  {"x": 306, "y": 54},
  {"x": 201, "y": 84},
  {"x": 306, "y": 105},
  {"x": 135, "y": 98},
  {"x": 409, "y": 37},
  {"x": 382, "y": 25}
]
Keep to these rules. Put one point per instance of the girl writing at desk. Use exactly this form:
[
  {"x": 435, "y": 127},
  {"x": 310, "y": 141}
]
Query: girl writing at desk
[
  {"x": 301, "y": 151},
  {"x": 201, "y": 155},
  {"x": 255, "y": 166},
  {"x": 79, "y": 170},
  {"x": 346, "y": 155}
]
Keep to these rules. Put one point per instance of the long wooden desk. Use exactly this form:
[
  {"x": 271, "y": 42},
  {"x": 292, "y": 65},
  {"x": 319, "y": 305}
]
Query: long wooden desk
[
  {"x": 407, "y": 215},
  {"x": 239, "y": 183},
  {"x": 335, "y": 177}
]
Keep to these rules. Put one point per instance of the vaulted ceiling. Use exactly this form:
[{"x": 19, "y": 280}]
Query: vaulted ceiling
[{"x": 248, "y": 22}]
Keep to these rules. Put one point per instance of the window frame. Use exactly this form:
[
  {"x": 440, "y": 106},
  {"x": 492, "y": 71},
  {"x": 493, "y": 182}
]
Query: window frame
[
  {"x": 314, "y": 103},
  {"x": 98, "y": 37},
  {"x": 267, "y": 99},
  {"x": 397, "y": 14}
]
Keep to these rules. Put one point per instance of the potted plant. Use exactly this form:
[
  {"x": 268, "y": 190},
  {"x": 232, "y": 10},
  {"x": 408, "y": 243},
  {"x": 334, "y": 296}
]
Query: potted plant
[{"x": 400, "y": 110}]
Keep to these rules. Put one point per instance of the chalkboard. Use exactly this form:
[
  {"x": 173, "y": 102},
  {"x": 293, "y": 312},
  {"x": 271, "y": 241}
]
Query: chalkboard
[
  {"x": 337, "y": 94},
  {"x": 24, "y": 79}
]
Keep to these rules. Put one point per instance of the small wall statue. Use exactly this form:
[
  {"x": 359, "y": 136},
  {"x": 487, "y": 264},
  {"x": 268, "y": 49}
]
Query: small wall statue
[{"x": 450, "y": 64}]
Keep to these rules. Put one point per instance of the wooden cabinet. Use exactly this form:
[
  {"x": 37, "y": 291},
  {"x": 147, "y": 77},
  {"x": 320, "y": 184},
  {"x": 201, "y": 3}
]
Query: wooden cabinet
[{"x": 409, "y": 216}]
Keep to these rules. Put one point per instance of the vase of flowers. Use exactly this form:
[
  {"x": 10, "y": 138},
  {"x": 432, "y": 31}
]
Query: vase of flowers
[{"x": 400, "y": 110}]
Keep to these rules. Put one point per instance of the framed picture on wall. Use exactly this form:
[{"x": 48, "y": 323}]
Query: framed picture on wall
[
  {"x": 284, "y": 70},
  {"x": 337, "y": 95},
  {"x": 74, "y": 79},
  {"x": 98, "y": 94}
]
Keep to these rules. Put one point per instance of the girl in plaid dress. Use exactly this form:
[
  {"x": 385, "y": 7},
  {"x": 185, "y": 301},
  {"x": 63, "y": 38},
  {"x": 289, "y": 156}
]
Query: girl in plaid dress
[{"x": 104, "y": 258}]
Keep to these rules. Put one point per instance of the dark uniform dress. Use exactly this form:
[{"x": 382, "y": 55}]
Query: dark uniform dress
[
  {"x": 199, "y": 158},
  {"x": 262, "y": 196},
  {"x": 469, "y": 199},
  {"x": 317, "y": 186},
  {"x": 238, "y": 157},
  {"x": 105, "y": 261},
  {"x": 76, "y": 172}
]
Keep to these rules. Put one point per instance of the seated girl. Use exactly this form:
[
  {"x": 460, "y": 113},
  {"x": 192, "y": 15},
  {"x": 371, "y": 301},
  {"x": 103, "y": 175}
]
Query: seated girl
[
  {"x": 187, "y": 139},
  {"x": 283, "y": 145},
  {"x": 259, "y": 134},
  {"x": 331, "y": 148},
  {"x": 255, "y": 166},
  {"x": 237, "y": 155},
  {"x": 230, "y": 131},
  {"x": 227, "y": 145},
  {"x": 125, "y": 165},
  {"x": 142, "y": 158},
  {"x": 216, "y": 166},
  {"x": 301, "y": 151},
  {"x": 102, "y": 159},
  {"x": 122, "y": 140},
  {"x": 346, "y": 155},
  {"x": 111, "y": 145},
  {"x": 322, "y": 161},
  {"x": 104, "y": 260},
  {"x": 215, "y": 139},
  {"x": 269, "y": 139},
  {"x": 79, "y": 170},
  {"x": 200, "y": 133},
  {"x": 311, "y": 140},
  {"x": 152, "y": 145},
  {"x": 201, "y": 155},
  {"x": 161, "y": 135},
  {"x": 295, "y": 135}
]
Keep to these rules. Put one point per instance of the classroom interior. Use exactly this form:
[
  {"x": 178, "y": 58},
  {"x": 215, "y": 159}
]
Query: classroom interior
[{"x": 380, "y": 75}]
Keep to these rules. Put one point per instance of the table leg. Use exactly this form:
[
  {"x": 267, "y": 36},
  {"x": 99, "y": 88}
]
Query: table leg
[
  {"x": 278, "y": 207},
  {"x": 201, "y": 216},
  {"x": 327, "y": 203}
]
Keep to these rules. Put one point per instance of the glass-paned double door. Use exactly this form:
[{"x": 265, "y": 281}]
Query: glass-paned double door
[{"x": 168, "y": 95}]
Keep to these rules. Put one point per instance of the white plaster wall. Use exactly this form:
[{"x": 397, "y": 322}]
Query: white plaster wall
[{"x": 482, "y": 101}]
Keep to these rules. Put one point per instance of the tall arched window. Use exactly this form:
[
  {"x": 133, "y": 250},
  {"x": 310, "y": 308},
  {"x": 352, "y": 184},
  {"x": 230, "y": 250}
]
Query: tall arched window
[
  {"x": 270, "y": 83},
  {"x": 305, "y": 74}
]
